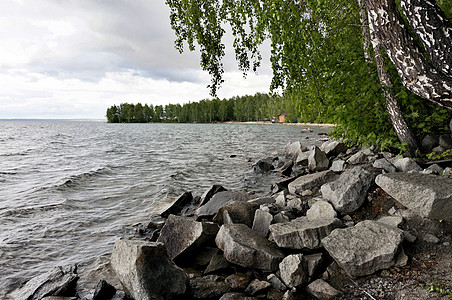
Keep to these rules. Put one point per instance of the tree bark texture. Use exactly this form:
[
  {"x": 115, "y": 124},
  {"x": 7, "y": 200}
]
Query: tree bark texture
[
  {"x": 434, "y": 31},
  {"x": 365, "y": 30},
  {"x": 416, "y": 72}
]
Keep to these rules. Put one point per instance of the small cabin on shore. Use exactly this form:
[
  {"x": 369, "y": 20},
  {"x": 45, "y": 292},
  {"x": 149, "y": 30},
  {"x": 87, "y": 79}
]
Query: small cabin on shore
[{"x": 279, "y": 119}]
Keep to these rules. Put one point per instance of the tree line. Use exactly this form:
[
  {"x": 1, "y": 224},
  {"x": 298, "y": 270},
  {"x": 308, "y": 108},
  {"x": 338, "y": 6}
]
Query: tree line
[{"x": 258, "y": 107}]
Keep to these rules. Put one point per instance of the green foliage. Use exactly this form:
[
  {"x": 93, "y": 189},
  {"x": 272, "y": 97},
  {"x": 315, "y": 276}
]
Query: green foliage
[
  {"x": 439, "y": 156},
  {"x": 438, "y": 287}
]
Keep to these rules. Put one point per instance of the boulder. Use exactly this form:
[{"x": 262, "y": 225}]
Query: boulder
[
  {"x": 264, "y": 165},
  {"x": 426, "y": 195},
  {"x": 332, "y": 148},
  {"x": 208, "y": 194},
  {"x": 338, "y": 166},
  {"x": 313, "y": 261},
  {"x": 178, "y": 205},
  {"x": 145, "y": 270},
  {"x": 257, "y": 286},
  {"x": 434, "y": 169},
  {"x": 262, "y": 221},
  {"x": 208, "y": 287},
  {"x": 321, "y": 210},
  {"x": 219, "y": 200},
  {"x": 309, "y": 181},
  {"x": 293, "y": 270},
  {"x": 429, "y": 142},
  {"x": 217, "y": 262},
  {"x": 357, "y": 158},
  {"x": 348, "y": 192},
  {"x": 321, "y": 290},
  {"x": 276, "y": 282},
  {"x": 302, "y": 159},
  {"x": 238, "y": 281},
  {"x": 302, "y": 233},
  {"x": 103, "y": 291},
  {"x": 245, "y": 247},
  {"x": 238, "y": 212},
  {"x": 406, "y": 164},
  {"x": 367, "y": 247},
  {"x": 182, "y": 234},
  {"x": 384, "y": 164},
  {"x": 445, "y": 141},
  {"x": 292, "y": 149},
  {"x": 60, "y": 281},
  {"x": 317, "y": 160}
]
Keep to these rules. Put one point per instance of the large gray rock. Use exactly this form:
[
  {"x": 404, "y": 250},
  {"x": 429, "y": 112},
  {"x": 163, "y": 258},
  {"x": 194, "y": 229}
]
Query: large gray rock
[
  {"x": 208, "y": 194},
  {"x": 367, "y": 247},
  {"x": 357, "y": 158},
  {"x": 445, "y": 141},
  {"x": 406, "y": 164},
  {"x": 302, "y": 158},
  {"x": 309, "y": 181},
  {"x": 262, "y": 221},
  {"x": 184, "y": 234},
  {"x": 292, "y": 149},
  {"x": 338, "y": 166},
  {"x": 321, "y": 210},
  {"x": 348, "y": 192},
  {"x": 237, "y": 212},
  {"x": 317, "y": 160},
  {"x": 332, "y": 148},
  {"x": 427, "y": 195},
  {"x": 321, "y": 290},
  {"x": 209, "y": 286},
  {"x": 384, "y": 164},
  {"x": 60, "y": 281},
  {"x": 429, "y": 142},
  {"x": 302, "y": 233},
  {"x": 145, "y": 270},
  {"x": 219, "y": 200},
  {"x": 293, "y": 270},
  {"x": 245, "y": 247},
  {"x": 178, "y": 205}
]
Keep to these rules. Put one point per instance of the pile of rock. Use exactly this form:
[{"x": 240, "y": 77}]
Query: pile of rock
[{"x": 289, "y": 245}]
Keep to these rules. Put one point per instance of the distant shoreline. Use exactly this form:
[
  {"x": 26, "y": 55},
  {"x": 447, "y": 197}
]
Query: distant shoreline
[{"x": 270, "y": 123}]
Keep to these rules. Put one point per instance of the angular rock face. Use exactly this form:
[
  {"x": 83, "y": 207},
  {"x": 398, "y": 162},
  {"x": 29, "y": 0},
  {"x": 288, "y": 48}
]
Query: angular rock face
[
  {"x": 317, "y": 160},
  {"x": 208, "y": 194},
  {"x": 210, "y": 286},
  {"x": 385, "y": 165},
  {"x": 322, "y": 290},
  {"x": 262, "y": 221},
  {"x": 307, "y": 182},
  {"x": 178, "y": 205},
  {"x": 357, "y": 158},
  {"x": 238, "y": 212},
  {"x": 321, "y": 210},
  {"x": 145, "y": 270},
  {"x": 367, "y": 247},
  {"x": 292, "y": 149},
  {"x": 427, "y": 195},
  {"x": 302, "y": 158},
  {"x": 348, "y": 193},
  {"x": 406, "y": 164},
  {"x": 60, "y": 281},
  {"x": 217, "y": 201},
  {"x": 180, "y": 234},
  {"x": 338, "y": 166},
  {"x": 293, "y": 270},
  {"x": 245, "y": 247},
  {"x": 333, "y": 148},
  {"x": 302, "y": 233}
]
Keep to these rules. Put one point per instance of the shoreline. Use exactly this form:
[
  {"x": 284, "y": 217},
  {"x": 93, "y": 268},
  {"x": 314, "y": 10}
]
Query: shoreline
[{"x": 277, "y": 123}]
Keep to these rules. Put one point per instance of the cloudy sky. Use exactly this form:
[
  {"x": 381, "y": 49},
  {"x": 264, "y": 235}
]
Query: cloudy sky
[{"x": 76, "y": 58}]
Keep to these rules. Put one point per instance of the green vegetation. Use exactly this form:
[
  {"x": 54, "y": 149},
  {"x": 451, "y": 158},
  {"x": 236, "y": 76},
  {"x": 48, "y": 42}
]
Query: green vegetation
[{"x": 438, "y": 287}]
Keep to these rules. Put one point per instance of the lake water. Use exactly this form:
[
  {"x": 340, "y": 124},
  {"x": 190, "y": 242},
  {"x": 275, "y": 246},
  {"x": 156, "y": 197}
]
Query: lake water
[{"x": 69, "y": 190}]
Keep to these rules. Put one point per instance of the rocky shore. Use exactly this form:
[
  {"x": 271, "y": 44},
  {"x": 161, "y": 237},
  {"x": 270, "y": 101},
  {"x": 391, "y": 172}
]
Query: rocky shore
[{"x": 343, "y": 223}]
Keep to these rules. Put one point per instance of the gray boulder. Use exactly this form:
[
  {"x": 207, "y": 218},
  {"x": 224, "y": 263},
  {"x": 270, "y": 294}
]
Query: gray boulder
[
  {"x": 276, "y": 282},
  {"x": 208, "y": 194},
  {"x": 445, "y": 141},
  {"x": 302, "y": 233},
  {"x": 426, "y": 195},
  {"x": 145, "y": 270},
  {"x": 434, "y": 169},
  {"x": 257, "y": 286},
  {"x": 406, "y": 164},
  {"x": 245, "y": 247},
  {"x": 338, "y": 166},
  {"x": 357, "y": 158},
  {"x": 317, "y": 160},
  {"x": 302, "y": 158},
  {"x": 321, "y": 290},
  {"x": 384, "y": 164},
  {"x": 332, "y": 148},
  {"x": 293, "y": 270},
  {"x": 184, "y": 234},
  {"x": 309, "y": 181},
  {"x": 262, "y": 221},
  {"x": 313, "y": 262},
  {"x": 239, "y": 281},
  {"x": 264, "y": 165},
  {"x": 217, "y": 262},
  {"x": 367, "y": 247},
  {"x": 237, "y": 212},
  {"x": 178, "y": 205},
  {"x": 60, "y": 281},
  {"x": 292, "y": 149},
  {"x": 208, "y": 287},
  {"x": 429, "y": 142},
  {"x": 348, "y": 192},
  {"x": 321, "y": 210},
  {"x": 219, "y": 200}
]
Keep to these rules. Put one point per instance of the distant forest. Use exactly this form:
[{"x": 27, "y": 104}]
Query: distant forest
[{"x": 259, "y": 107}]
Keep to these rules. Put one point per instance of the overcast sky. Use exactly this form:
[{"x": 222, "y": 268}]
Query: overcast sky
[{"x": 76, "y": 58}]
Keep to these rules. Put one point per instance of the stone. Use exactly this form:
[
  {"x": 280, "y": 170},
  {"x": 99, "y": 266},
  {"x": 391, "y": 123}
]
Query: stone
[
  {"x": 208, "y": 194},
  {"x": 238, "y": 281},
  {"x": 317, "y": 160},
  {"x": 310, "y": 181},
  {"x": 348, "y": 192},
  {"x": 236, "y": 296},
  {"x": 257, "y": 286},
  {"x": 357, "y": 158},
  {"x": 332, "y": 148},
  {"x": 447, "y": 171},
  {"x": 429, "y": 142},
  {"x": 434, "y": 169},
  {"x": 292, "y": 149},
  {"x": 182, "y": 234},
  {"x": 394, "y": 221},
  {"x": 59, "y": 281},
  {"x": 384, "y": 164},
  {"x": 145, "y": 270},
  {"x": 103, "y": 291},
  {"x": 313, "y": 261},
  {"x": 445, "y": 141},
  {"x": 262, "y": 221},
  {"x": 293, "y": 270},
  {"x": 302, "y": 233},
  {"x": 430, "y": 238},
  {"x": 338, "y": 166},
  {"x": 321, "y": 210},
  {"x": 282, "y": 217},
  {"x": 219, "y": 200},
  {"x": 306, "y": 193},
  {"x": 245, "y": 247},
  {"x": 238, "y": 211},
  {"x": 276, "y": 282},
  {"x": 178, "y": 205},
  {"x": 321, "y": 290},
  {"x": 207, "y": 287},
  {"x": 439, "y": 149},
  {"x": 406, "y": 164},
  {"x": 217, "y": 262},
  {"x": 280, "y": 199},
  {"x": 302, "y": 159},
  {"x": 428, "y": 196},
  {"x": 264, "y": 165},
  {"x": 288, "y": 295},
  {"x": 367, "y": 247}
]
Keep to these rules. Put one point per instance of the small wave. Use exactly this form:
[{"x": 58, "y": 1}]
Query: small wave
[
  {"x": 26, "y": 211},
  {"x": 8, "y": 173},
  {"x": 79, "y": 178}
]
